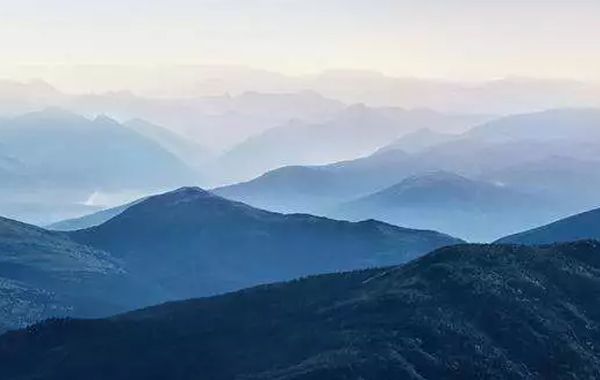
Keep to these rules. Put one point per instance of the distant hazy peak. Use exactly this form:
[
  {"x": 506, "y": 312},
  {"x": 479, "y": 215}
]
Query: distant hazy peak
[
  {"x": 57, "y": 113},
  {"x": 35, "y": 87},
  {"x": 358, "y": 110},
  {"x": 434, "y": 177},
  {"x": 556, "y": 123},
  {"x": 104, "y": 119}
]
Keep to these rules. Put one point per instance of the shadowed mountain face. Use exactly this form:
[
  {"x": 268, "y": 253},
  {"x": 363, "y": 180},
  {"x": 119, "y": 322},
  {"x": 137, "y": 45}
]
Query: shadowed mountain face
[
  {"x": 45, "y": 274},
  {"x": 468, "y": 311},
  {"x": 190, "y": 242},
  {"x": 474, "y": 210},
  {"x": 577, "y": 227}
]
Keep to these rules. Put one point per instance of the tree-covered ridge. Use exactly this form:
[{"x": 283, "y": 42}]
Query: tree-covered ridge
[{"x": 467, "y": 311}]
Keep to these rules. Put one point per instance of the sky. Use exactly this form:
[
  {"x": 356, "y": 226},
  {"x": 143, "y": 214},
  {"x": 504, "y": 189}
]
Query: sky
[{"x": 450, "y": 39}]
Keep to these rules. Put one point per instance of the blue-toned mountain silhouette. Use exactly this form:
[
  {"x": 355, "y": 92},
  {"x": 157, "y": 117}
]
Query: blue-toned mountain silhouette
[
  {"x": 190, "y": 242},
  {"x": 182, "y": 244},
  {"x": 468, "y": 311},
  {"x": 582, "y": 226},
  {"x": 474, "y": 210}
]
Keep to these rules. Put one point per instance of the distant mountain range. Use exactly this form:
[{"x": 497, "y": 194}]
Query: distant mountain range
[
  {"x": 473, "y": 210},
  {"x": 316, "y": 189},
  {"x": 468, "y": 311},
  {"x": 356, "y": 131},
  {"x": 65, "y": 149},
  {"x": 22, "y": 97},
  {"x": 555, "y": 171},
  {"x": 219, "y": 121},
  {"x": 183, "y": 148},
  {"x": 498, "y": 96},
  {"x": 182, "y": 244},
  {"x": 53, "y": 161},
  {"x": 378, "y": 197},
  {"x": 292, "y": 189},
  {"x": 568, "y": 181},
  {"x": 582, "y": 226},
  {"x": 273, "y": 129},
  {"x": 551, "y": 125},
  {"x": 419, "y": 141}
]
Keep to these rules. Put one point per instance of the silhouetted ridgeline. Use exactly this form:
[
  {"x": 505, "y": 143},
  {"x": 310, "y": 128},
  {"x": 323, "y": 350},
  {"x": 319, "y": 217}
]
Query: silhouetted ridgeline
[
  {"x": 577, "y": 227},
  {"x": 182, "y": 244},
  {"x": 190, "y": 242},
  {"x": 462, "y": 312}
]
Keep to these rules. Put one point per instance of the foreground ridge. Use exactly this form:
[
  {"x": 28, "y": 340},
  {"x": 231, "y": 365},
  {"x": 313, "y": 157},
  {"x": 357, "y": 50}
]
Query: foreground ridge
[{"x": 467, "y": 311}]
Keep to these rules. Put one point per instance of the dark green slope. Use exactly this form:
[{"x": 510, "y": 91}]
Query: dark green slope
[
  {"x": 577, "y": 227},
  {"x": 190, "y": 243},
  {"x": 462, "y": 312}
]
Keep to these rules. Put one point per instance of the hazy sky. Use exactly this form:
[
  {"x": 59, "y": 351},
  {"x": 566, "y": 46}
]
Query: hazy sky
[{"x": 457, "y": 39}]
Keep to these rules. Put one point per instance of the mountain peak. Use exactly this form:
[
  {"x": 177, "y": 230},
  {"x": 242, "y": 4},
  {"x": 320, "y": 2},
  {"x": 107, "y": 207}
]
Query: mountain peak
[
  {"x": 188, "y": 190},
  {"x": 357, "y": 109},
  {"x": 104, "y": 119},
  {"x": 185, "y": 194},
  {"x": 52, "y": 113}
]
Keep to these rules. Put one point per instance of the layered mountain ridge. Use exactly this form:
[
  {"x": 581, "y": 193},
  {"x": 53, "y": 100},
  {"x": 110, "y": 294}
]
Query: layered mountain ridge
[
  {"x": 190, "y": 242},
  {"x": 181, "y": 244}
]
